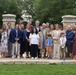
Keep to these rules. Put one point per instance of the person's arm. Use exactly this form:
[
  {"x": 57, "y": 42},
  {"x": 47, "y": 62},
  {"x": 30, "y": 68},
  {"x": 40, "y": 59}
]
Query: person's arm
[
  {"x": 64, "y": 41},
  {"x": 25, "y": 34},
  {"x": 52, "y": 42},
  {"x": 46, "y": 42},
  {"x": 12, "y": 34},
  {"x": 38, "y": 39},
  {"x": 70, "y": 36},
  {"x": 19, "y": 35},
  {"x": 27, "y": 39},
  {"x": 60, "y": 41},
  {"x": 30, "y": 39}
]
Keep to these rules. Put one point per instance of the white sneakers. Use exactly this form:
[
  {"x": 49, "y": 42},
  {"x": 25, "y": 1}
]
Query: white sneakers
[
  {"x": 15, "y": 56},
  {"x": 34, "y": 58},
  {"x": 24, "y": 55},
  {"x": 18, "y": 57}
]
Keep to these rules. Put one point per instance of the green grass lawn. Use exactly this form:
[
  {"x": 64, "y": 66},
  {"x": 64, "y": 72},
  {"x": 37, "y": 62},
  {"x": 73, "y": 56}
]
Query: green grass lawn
[{"x": 37, "y": 69}]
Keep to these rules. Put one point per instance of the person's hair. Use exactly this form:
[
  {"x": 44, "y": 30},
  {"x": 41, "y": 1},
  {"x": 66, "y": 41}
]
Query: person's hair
[
  {"x": 51, "y": 25},
  {"x": 3, "y": 27},
  {"x": 27, "y": 26},
  {"x": 33, "y": 30},
  {"x": 37, "y": 21},
  {"x": 20, "y": 21},
  {"x": 9, "y": 23},
  {"x": 56, "y": 25},
  {"x": 21, "y": 26},
  {"x": 61, "y": 27},
  {"x": 49, "y": 35},
  {"x": 61, "y": 34},
  {"x": 74, "y": 29},
  {"x": 16, "y": 24}
]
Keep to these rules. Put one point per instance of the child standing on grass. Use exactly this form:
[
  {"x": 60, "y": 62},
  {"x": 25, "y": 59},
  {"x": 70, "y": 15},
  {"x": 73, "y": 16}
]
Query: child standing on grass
[
  {"x": 49, "y": 44},
  {"x": 62, "y": 46}
]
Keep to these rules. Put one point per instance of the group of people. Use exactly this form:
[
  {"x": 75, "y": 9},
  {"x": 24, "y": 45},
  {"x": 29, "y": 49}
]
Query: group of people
[{"x": 38, "y": 41}]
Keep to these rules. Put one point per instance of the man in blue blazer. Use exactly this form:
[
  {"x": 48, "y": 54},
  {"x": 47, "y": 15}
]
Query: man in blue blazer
[
  {"x": 15, "y": 39},
  {"x": 69, "y": 36}
]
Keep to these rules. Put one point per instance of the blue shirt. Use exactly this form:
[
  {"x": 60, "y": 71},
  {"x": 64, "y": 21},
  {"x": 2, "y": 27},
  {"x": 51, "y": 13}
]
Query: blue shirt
[{"x": 49, "y": 42}]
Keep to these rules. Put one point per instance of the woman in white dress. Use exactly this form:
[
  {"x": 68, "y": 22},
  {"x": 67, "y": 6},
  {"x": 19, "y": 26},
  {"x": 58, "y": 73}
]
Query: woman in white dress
[{"x": 4, "y": 38}]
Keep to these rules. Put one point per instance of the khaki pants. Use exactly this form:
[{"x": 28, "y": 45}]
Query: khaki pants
[
  {"x": 16, "y": 49},
  {"x": 56, "y": 52}
]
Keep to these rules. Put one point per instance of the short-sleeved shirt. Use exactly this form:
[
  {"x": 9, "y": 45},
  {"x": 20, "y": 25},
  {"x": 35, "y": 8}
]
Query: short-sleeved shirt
[
  {"x": 63, "y": 41},
  {"x": 49, "y": 42},
  {"x": 34, "y": 38}
]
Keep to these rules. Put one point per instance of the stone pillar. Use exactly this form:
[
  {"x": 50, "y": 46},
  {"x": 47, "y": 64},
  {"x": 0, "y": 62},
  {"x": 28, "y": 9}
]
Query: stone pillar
[
  {"x": 9, "y": 18},
  {"x": 68, "y": 20}
]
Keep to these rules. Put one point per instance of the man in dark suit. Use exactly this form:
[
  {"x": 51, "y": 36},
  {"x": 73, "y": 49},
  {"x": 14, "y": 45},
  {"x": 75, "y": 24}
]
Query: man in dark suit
[
  {"x": 9, "y": 43},
  {"x": 15, "y": 36},
  {"x": 69, "y": 36},
  {"x": 38, "y": 29}
]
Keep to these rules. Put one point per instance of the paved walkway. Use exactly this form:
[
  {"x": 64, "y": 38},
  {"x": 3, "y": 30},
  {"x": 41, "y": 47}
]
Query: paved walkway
[{"x": 35, "y": 61}]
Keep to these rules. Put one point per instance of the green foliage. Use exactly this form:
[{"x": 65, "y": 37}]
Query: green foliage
[
  {"x": 53, "y": 10},
  {"x": 42, "y": 10},
  {"x": 10, "y": 7}
]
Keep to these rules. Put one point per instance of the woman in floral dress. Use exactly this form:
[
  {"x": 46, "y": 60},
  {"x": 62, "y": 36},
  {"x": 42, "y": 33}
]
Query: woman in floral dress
[{"x": 4, "y": 41}]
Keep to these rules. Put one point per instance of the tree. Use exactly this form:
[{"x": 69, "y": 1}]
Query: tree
[
  {"x": 10, "y": 7},
  {"x": 53, "y": 10},
  {"x": 42, "y": 10},
  {"x": 28, "y": 5}
]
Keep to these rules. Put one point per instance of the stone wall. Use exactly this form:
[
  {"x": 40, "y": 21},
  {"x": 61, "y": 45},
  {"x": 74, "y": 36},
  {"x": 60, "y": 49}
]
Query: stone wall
[
  {"x": 68, "y": 20},
  {"x": 9, "y": 18}
]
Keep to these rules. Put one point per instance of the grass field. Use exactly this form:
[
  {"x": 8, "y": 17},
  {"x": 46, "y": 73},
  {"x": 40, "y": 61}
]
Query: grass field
[{"x": 38, "y": 69}]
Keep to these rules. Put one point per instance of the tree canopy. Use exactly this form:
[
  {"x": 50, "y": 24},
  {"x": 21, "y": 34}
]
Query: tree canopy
[
  {"x": 53, "y": 10},
  {"x": 42, "y": 10}
]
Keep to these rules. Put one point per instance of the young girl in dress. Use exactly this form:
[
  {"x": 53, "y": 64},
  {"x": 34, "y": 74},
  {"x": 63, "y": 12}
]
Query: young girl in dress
[
  {"x": 49, "y": 45},
  {"x": 62, "y": 46}
]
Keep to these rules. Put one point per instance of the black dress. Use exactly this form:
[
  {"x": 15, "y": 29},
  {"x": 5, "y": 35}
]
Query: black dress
[{"x": 27, "y": 46}]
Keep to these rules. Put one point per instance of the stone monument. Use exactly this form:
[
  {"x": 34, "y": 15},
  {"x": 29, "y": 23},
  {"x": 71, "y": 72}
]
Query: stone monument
[
  {"x": 9, "y": 18},
  {"x": 69, "y": 20}
]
